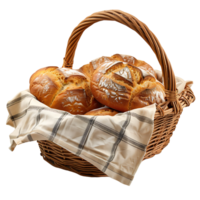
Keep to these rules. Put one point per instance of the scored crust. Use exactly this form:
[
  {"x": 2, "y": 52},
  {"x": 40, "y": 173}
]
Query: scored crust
[
  {"x": 63, "y": 89},
  {"x": 89, "y": 69},
  {"x": 137, "y": 63},
  {"x": 123, "y": 86}
]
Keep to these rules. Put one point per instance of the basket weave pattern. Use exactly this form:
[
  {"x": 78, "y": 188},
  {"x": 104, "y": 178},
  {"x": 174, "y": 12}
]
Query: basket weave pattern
[{"x": 166, "y": 116}]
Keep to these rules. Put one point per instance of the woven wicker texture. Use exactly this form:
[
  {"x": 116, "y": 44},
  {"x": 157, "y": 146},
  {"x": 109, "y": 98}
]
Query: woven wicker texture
[{"x": 166, "y": 116}]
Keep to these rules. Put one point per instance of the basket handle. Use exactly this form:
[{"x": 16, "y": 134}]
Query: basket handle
[{"x": 141, "y": 28}]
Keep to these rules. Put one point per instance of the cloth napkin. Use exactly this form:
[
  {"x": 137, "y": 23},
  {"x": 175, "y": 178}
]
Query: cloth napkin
[{"x": 116, "y": 144}]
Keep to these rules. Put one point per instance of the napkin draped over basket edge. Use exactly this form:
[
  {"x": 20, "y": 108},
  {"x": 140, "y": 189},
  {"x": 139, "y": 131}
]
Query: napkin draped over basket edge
[{"x": 114, "y": 144}]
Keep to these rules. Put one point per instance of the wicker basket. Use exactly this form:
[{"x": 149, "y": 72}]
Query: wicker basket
[{"x": 166, "y": 116}]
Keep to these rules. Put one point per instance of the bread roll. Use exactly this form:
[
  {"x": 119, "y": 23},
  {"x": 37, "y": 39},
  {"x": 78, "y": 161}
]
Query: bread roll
[
  {"x": 63, "y": 89},
  {"x": 123, "y": 87},
  {"x": 102, "y": 111}
]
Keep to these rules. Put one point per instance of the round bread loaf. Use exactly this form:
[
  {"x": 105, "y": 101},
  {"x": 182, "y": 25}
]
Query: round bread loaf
[
  {"x": 63, "y": 89},
  {"x": 102, "y": 111},
  {"x": 123, "y": 87}
]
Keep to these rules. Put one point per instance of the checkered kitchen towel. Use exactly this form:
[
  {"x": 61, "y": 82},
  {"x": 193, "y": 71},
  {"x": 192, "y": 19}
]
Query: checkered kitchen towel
[{"x": 114, "y": 144}]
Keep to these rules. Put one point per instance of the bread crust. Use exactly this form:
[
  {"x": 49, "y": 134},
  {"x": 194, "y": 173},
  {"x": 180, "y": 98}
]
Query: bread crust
[
  {"x": 89, "y": 69},
  {"x": 63, "y": 89},
  {"x": 102, "y": 111},
  {"x": 133, "y": 61},
  {"x": 120, "y": 82},
  {"x": 123, "y": 86}
]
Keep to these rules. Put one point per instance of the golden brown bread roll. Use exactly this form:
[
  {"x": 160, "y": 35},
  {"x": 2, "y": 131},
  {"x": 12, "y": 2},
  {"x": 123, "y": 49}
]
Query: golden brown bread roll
[
  {"x": 102, "y": 111},
  {"x": 123, "y": 87},
  {"x": 63, "y": 89}
]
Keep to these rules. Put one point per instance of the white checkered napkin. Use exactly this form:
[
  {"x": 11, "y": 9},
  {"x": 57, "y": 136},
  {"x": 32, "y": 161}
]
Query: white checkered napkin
[{"x": 114, "y": 144}]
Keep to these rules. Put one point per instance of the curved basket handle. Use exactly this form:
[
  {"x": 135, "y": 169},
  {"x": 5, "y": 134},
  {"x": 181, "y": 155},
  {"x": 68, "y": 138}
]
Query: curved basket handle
[{"x": 141, "y": 28}]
